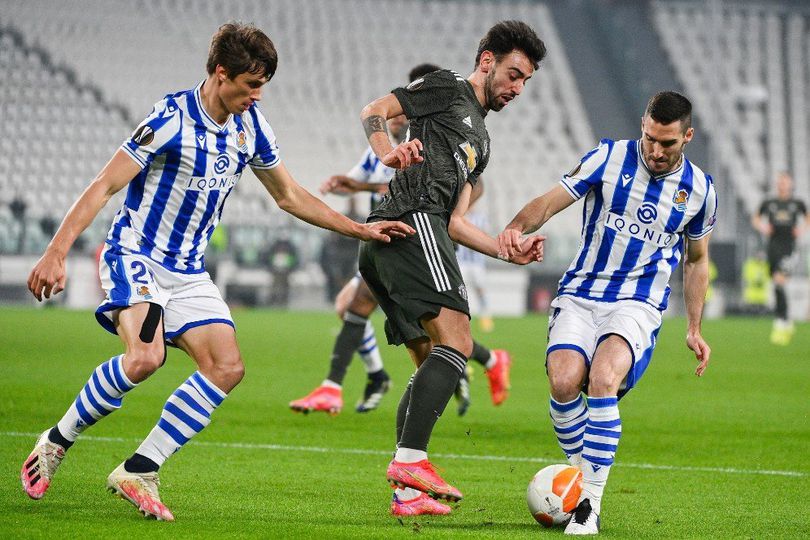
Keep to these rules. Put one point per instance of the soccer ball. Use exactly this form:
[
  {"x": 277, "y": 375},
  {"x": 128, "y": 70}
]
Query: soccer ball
[{"x": 553, "y": 494}]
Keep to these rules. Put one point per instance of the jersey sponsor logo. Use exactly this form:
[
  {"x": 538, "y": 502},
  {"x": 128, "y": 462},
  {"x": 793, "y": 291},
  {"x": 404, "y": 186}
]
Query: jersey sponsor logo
[
  {"x": 647, "y": 213},
  {"x": 472, "y": 155},
  {"x": 468, "y": 121},
  {"x": 143, "y": 135},
  {"x": 214, "y": 183},
  {"x": 681, "y": 199},
  {"x": 221, "y": 164},
  {"x": 628, "y": 226}
]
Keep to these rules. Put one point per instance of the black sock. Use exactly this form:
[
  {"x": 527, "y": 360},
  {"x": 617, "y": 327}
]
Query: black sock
[
  {"x": 347, "y": 342},
  {"x": 140, "y": 464},
  {"x": 433, "y": 384},
  {"x": 55, "y": 436},
  {"x": 402, "y": 409},
  {"x": 379, "y": 376},
  {"x": 781, "y": 303},
  {"x": 480, "y": 354}
]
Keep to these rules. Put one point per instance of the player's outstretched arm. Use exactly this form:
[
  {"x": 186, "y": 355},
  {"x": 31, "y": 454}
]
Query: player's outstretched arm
[
  {"x": 373, "y": 117},
  {"x": 695, "y": 284},
  {"x": 299, "y": 202},
  {"x": 468, "y": 235},
  {"x": 48, "y": 275},
  {"x": 531, "y": 217},
  {"x": 346, "y": 185}
]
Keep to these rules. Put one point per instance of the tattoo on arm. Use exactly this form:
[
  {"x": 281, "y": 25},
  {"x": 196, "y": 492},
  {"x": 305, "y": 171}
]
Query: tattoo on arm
[{"x": 373, "y": 124}]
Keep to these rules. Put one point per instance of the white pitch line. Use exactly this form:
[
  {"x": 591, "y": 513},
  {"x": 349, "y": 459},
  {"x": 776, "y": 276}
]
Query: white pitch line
[{"x": 360, "y": 451}]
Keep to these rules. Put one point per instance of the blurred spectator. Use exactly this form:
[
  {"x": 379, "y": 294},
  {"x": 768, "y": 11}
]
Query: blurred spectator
[
  {"x": 339, "y": 257},
  {"x": 282, "y": 258}
]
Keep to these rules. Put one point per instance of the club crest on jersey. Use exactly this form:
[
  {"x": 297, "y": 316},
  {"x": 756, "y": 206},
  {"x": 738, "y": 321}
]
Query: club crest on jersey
[
  {"x": 462, "y": 291},
  {"x": 681, "y": 198},
  {"x": 472, "y": 155},
  {"x": 143, "y": 135},
  {"x": 240, "y": 142},
  {"x": 143, "y": 290}
]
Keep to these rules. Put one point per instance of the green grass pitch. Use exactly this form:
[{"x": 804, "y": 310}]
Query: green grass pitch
[{"x": 724, "y": 456}]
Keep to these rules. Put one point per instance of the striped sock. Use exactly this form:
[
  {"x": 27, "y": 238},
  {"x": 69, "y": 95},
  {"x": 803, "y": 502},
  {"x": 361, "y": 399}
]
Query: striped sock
[
  {"x": 100, "y": 396},
  {"x": 369, "y": 352},
  {"x": 602, "y": 433},
  {"x": 569, "y": 424},
  {"x": 187, "y": 411}
]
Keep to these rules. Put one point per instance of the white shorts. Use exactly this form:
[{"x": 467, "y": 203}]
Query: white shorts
[
  {"x": 581, "y": 325},
  {"x": 188, "y": 300}
]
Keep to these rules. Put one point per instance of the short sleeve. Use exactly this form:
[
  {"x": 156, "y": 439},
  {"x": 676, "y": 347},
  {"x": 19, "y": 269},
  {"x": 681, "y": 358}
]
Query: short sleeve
[
  {"x": 152, "y": 135},
  {"x": 363, "y": 169},
  {"x": 763, "y": 208},
  {"x": 802, "y": 208},
  {"x": 429, "y": 94},
  {"x": 266, "y": 155},
  {"x": 703, "y": 222},
  {"x": 588, "y": 172}
]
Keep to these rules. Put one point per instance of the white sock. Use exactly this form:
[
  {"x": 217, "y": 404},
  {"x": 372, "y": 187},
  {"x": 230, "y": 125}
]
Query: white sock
[
  {"x": 569, "y": 421},
  {"x": 491, "y": 362},
  {"x": 409, "y": 455},
  {"x": 331, "y": 384},
  {"x": 369, "y": 351},
  {"x": 602, "y": 433},
  {"x": 100, "y": 396},
  {"x": 186, "y": 413}
]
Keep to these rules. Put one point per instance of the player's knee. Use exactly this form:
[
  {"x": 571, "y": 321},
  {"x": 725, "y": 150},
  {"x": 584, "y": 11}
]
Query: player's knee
[
  {"x": 230, "y": 368},
  {"x": 565, "y": 384},
  {"x": 603, "y": 384},
  {"x": 141, "y": 362},
  {"x": 465, "y": 346}
]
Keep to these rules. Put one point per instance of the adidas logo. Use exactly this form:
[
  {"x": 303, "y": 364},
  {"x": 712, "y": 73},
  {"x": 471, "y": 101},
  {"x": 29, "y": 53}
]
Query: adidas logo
[{"x": 468, "y": 122}]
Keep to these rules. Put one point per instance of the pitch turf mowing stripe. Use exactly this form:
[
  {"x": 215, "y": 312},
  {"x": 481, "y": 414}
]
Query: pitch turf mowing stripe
[{"x": 322, "y": 450}]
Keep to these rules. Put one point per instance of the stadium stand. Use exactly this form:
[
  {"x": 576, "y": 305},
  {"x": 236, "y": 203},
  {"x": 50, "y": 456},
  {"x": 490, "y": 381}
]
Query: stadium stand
[
  {"x": 334, "y": 58},
  {"x": 749, "y": 83}
]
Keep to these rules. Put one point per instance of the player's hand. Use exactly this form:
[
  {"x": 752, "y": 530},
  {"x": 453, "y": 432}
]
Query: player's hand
[
  {"x": 383, "y": 231},
  {"x": 702, "y": 351},
  {"x": 509, "y": 242},
  {"x": 531, "y": 250},
  {"x": 48, "y": 276},
  {"x": 404, "y": 155},
  {"x": 767, "y": 230},
  {"x": 336, "y": 184}
]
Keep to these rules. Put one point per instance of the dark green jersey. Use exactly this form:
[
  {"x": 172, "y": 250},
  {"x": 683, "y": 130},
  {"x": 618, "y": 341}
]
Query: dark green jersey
[{"x": 446, "y": 116}]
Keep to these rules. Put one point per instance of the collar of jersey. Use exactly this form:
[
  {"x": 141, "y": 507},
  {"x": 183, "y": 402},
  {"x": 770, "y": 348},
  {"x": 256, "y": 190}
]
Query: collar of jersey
[
  {"x": 210, "y": 122},
  {"x": 676, "y": 170},
  {"x": 470, "y": 88}
]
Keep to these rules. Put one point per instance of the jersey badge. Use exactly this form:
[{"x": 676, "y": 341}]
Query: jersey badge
[
  {"x": 143, "y": 290},
  {"x": 472, "y": 155},
  {"x": 681, "y": 198},
  {"x": 143, "y": 135},
  {"x": 240, "y": 142}
]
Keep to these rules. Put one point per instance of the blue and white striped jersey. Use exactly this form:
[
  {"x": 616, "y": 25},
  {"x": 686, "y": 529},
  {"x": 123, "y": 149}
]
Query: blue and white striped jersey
[
  {"x": 189, "y": 165},
  {"x": 633, "y": 224},
  {"x": 371, "y": 171}
]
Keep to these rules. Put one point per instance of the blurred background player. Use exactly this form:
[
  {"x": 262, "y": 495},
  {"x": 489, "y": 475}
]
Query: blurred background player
[
  {"x": 474, "y": 268},
  {"x": 644, "y": 203},
  {"x": 781, "y": 220},
  {"x": 180, "y": 165},
  {"x": 417, "y": 281},
  {"x": 355, "y": 303}
]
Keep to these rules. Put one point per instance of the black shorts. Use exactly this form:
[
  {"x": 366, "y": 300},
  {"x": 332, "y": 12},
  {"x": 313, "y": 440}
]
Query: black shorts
[
  {"x": 414, "y": 277},
  {"x": 781, "y": 258}
]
